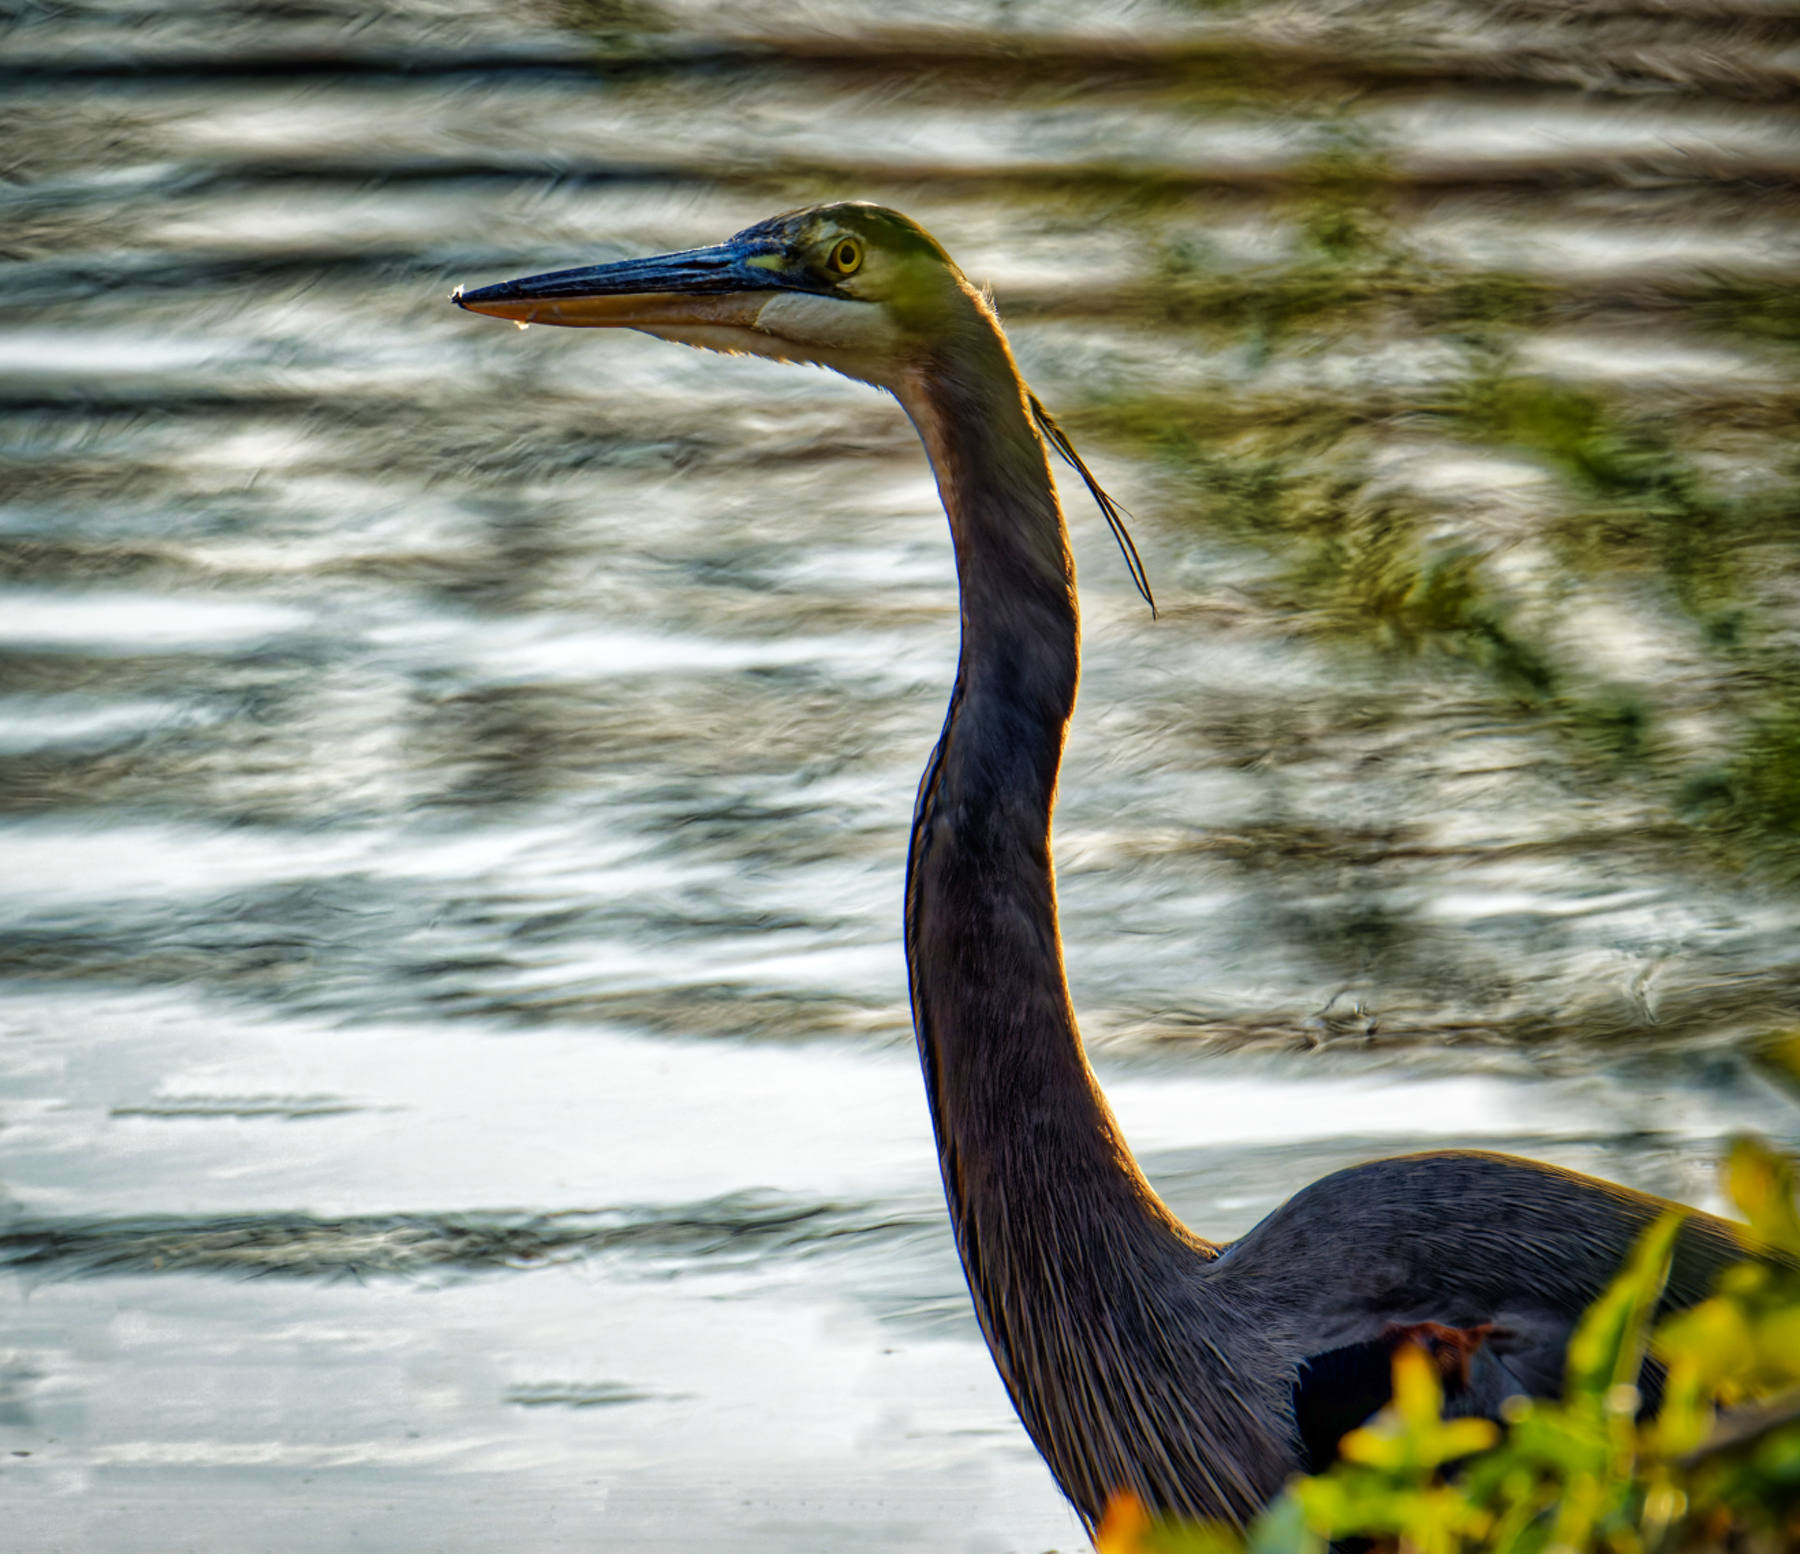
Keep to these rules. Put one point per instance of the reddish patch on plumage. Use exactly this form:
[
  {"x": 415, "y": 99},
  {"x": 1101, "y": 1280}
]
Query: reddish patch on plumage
[{"x": 1450, "y": 1348}]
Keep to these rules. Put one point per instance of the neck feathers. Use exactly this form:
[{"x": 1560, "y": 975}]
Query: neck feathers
[
  {"x": 989, "y": 998},
  {"x": 1071, "y": 1258}
]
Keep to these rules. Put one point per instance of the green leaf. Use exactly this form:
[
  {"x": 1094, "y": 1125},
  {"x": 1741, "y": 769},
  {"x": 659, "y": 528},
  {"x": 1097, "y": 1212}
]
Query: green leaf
[
  {"x": 1282, "y": 1529},
  {"x": 1761, "y": 1183},
  {"x": 1608, "y": 1348}
]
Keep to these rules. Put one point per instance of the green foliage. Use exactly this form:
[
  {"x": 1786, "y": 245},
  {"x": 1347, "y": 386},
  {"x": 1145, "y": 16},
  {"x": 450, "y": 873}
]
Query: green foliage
[
  {"x": 1652, "y": 508},
  {"x": 1750, "y": 805},
  {"x": 1717, "y": 1468},
  {"x": 1760, "y": 312},
  {"x": 1341, "y": 192},
  {"x": 1342, "y": 282},
  {"x": 1358, "y": 558},
  {"x": 1348, "y": 271},
  {"x": 1643, "y": 506}
]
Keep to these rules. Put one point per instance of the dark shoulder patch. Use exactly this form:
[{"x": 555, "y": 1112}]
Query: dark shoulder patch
[{"x": 1335, "y": 1392}]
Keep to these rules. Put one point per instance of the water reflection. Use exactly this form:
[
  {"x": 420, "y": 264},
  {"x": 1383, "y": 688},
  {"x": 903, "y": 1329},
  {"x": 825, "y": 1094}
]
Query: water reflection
[{"x": 453, "y": 783}]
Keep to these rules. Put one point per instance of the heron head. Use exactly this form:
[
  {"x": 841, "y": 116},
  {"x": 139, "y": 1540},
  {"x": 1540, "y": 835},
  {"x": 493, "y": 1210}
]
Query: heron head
[{"x": 850, "y": 286}]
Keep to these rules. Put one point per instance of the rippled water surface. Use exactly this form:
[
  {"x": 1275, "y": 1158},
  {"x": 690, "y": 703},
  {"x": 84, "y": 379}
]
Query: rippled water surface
[{"x": 454, "y": 782}]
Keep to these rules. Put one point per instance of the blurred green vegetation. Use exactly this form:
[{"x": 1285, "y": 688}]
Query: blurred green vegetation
[
  {"x": 1639, "y": 505},
  {"x": 1717, "y": 1468},
  {"x": 1347, "y": 272},
  {"x": 1656, "y": 510},
  {"x": 1755, "y": 311}
]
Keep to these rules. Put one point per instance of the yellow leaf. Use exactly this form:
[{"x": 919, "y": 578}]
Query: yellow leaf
[
  {"x": 1761, "y": 1183},
  {"x": 1460, "y": 1437},
  {"x": 1778, "y": 1341},
  {"x": 1372, "y": 1448},
  {"x": 1418, "y": 1396},
  {"x": 1712, "y": 1337}
]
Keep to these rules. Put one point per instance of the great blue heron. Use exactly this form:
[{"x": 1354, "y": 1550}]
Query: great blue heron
[{"x": 1140, "y": 1357}]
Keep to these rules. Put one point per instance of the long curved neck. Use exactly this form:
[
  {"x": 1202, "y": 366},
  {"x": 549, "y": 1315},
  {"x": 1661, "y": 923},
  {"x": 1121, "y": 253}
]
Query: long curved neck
[
  {"x": 1010, "y": 1088},
  {"x": 1071, "y": 1258}
]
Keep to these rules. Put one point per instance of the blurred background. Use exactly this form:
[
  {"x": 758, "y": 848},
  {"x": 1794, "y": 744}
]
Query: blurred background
[{"x": 454, "y": 782}]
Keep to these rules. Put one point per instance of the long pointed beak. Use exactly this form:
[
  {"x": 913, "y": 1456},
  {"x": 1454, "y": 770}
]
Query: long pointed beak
[{"x": 724, "y": 285}]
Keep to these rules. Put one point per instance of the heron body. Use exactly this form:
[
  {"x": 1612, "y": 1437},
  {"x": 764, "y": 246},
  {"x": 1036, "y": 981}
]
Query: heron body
[{"x": 1140, "y": 1357}]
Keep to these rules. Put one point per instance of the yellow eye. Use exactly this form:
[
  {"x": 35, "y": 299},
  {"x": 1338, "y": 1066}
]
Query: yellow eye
[{"x": 846, "y": 256}]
